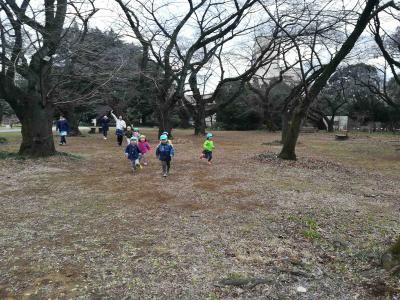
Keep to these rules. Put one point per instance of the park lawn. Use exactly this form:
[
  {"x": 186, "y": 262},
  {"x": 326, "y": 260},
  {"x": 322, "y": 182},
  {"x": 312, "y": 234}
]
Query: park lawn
[{"x": 249, "y": 226}]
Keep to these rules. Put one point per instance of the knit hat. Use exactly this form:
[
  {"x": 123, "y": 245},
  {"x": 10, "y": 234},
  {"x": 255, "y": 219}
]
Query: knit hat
[
  {"x": 135, "y": 129},
  {"x": 163, "y": 137},
  {"x": 209, "y": 135},
  {"x": 166, "y": 133},
  {"x": 134, "y": 138}
]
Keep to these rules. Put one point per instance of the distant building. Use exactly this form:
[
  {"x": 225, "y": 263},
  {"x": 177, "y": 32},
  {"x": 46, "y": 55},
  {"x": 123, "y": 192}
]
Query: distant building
[
  {"x": 211, "y": 120},
  {"x": 339, "y": 122}
]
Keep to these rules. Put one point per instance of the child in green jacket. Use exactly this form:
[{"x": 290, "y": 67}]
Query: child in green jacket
[{"x": 208, "y": 147}]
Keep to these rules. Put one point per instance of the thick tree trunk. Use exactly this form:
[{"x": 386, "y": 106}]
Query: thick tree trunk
[
  {"x": 37, "y": 135},
  {"x": 184, "y": 117},
  {"x": 285, "y": 126},
  {"x": 199, "y": 113},
  {"x": 291, "y": 136},
  {"x": 330, "y": 126},
  {"x": 267, "y": 121},
  {"x": 200, "y": 121},
  {"x": 164, "y": 121},
  {"x": 73, "y": 121},
  {"x": 330, "y": 122}
]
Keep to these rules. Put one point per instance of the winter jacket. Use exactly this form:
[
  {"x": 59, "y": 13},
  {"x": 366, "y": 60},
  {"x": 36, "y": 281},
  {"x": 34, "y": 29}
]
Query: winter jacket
[
  {"x": 128, "y": 134},
  {"x": 208, "y": 145},
  {"x": 164, "y": 152},
  {"x": 62, "y": 125},
  {"x": 132, "y": 151},
  {"x": 119, "y": 124},
  {"x": 144, "y": 147},
  {"x": 105, "y": 124}
]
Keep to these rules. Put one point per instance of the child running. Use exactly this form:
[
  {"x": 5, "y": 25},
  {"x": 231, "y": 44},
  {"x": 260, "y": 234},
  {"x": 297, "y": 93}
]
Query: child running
[
  {"x": 62, "y": 127},
  {"x": 129, "y": 134},
  {"x": 136, "y": 132},
  {"x": 208, "y": 147},
  {"x": 164, "y": 153},
  {"x": 168, "y": 140},
  {"x": 144, "y": 147},
  {"x": 132, "y": 152}
]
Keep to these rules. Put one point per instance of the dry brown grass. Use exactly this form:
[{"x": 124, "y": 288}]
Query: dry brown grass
[{"x": 88, "y": 228}]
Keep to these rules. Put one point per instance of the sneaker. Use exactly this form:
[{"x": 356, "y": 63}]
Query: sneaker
[
  {"x": 60, "y": 144},
  {"x": 145, "y": 164},
  {"x": 165, "y": 175},
  {"x": 104, "y": 138},
  {"x": 210, "y": 163}
]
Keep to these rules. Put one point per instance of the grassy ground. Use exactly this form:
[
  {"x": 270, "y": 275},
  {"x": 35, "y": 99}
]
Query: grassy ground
[{"x": 249, "y": 226}]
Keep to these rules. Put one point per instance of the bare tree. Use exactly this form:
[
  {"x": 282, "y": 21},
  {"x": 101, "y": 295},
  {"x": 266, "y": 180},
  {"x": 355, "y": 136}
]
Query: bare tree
[
  {"x": 319, "y": 22},
  {"x": 34, "y": 35},
  {"x": 181, "y": 42}
]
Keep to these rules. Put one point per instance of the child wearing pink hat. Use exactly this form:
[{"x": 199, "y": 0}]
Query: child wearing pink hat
[{"x": 144, "y": 147}]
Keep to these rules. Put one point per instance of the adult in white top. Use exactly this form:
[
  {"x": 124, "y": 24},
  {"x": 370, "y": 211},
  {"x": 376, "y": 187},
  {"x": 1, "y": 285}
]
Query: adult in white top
[{"x": 120, "y": 126}]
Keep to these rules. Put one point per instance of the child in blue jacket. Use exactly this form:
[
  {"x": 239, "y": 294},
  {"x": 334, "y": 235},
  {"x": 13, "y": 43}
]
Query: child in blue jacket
[
  {"x": 132, "y": 152},
  {"x": 164, "y": 153},
  {"x": 62, "y": 127}
]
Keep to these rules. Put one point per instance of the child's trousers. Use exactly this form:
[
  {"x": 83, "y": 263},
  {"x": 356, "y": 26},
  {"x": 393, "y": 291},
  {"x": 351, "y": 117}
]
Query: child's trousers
[
  {"x": 207, "y": 155},
  {"x": 166, "y": 165},
  {"x": 135, "y": 163}
]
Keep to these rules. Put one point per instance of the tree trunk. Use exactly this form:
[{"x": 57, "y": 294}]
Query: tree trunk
[
  {"x": 330, "y": 126},
  {"x": 1, "y": 112},
  {"x": 37, "y": 135},
  {"x": 73, "y": 121},
  {"x": 184, "y": 117},
  {"x": 164, "y": 121},
  {"x": 330, "y": 122},
  {"x": 200, "y": 120},
  {"x": 285, "y": 126},
  {"x": 291, "y": 136},
  {"x": 267, "y": 120}
]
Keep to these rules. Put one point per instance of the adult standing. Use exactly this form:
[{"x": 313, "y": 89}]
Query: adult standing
[
  {"x": 105, "y": 126},
  {"x": 120, "y": 126},
  {"x": 62, "y": 127}
]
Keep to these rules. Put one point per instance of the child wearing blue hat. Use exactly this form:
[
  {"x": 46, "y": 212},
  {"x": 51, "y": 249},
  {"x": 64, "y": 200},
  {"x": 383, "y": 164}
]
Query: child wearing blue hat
[
  {"x": 168, "y": 140},
  {"x": 132, "y": 152},
  {"x": 164, "y": 153},
  {"x": 208, "y": 147}
]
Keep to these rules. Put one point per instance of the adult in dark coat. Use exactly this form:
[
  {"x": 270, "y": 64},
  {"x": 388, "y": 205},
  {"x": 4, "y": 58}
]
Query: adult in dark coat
[{"x": 105, "y": 125}]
